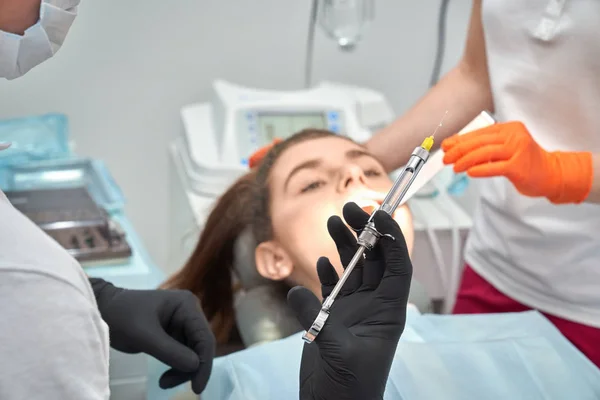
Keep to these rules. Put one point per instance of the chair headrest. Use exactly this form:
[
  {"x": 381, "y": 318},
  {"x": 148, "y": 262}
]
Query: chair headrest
[
  {"x": 261, "y": 310},
  {"x": 244, "y": 264},
  {"x": 262, "y": 315}
]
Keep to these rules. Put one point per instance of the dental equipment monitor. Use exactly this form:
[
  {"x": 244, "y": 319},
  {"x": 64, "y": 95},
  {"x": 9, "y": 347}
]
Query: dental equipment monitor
[{"x": 240, "y": 120}]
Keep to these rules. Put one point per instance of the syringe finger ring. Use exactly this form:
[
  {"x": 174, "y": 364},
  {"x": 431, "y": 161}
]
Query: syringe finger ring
[{"x": 387, "y": 235}]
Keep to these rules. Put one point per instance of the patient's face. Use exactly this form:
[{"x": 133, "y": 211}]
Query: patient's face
[{"x": 312, "y": 181}]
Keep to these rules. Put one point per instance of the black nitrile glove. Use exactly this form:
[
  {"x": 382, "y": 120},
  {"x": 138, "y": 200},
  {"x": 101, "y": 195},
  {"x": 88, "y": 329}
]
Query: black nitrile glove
[
  {"x": 166, "y": 324},
  {"x": 352, "y": 355}
]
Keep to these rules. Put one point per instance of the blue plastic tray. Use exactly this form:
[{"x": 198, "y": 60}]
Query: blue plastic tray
[{"x": 70, "y": 173}]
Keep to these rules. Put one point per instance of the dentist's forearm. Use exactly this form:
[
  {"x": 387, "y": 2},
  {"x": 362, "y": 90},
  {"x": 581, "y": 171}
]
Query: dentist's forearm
[
  {"x": 18, "y": 15},
  {"x": 460, "y": 93}
]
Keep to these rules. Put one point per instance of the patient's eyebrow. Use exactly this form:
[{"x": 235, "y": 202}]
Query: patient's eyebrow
[
  {"x": 357, "y": 153},
  {"x": 310, "y": 164}
]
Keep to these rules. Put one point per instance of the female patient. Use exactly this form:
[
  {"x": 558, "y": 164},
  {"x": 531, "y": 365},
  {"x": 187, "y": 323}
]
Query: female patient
[{"x": 286, "y": 201}]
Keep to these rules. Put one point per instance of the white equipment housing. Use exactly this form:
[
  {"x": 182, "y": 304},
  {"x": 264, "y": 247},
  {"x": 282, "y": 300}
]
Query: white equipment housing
[{"x": 220, "y": 135}]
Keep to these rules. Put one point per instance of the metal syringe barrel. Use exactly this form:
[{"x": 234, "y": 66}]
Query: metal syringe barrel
[{"x": 404, "y": 181}]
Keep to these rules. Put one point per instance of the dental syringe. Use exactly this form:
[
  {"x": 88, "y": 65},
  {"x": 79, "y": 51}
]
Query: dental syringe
[{"x": 369, "y": 236}]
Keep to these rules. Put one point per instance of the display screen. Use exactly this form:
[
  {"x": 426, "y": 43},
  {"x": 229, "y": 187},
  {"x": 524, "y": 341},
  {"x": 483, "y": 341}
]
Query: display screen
[{"x": 271, "y": 126}]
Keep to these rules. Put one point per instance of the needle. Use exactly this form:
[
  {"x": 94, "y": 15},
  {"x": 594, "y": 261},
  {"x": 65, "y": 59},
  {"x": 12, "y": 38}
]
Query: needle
[{"x": 440, "y": 124}]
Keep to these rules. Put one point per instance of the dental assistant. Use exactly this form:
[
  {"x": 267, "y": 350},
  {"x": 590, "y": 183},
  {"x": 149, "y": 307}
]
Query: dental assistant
[{"x": 535, "y": 241}]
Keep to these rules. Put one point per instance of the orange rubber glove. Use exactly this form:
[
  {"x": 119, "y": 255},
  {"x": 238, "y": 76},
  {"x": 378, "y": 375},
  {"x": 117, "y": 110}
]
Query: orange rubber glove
[{"x": 507, "y": 149}]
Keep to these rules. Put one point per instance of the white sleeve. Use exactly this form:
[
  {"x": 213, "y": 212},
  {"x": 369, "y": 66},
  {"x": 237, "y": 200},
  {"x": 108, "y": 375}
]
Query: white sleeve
[{"x": 53, "y": 342}]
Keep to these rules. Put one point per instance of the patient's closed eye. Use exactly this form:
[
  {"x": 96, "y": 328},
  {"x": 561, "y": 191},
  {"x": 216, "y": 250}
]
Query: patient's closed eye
[
  {"x": 312, "y": 186},
  {"x": 372, "y": 172}
]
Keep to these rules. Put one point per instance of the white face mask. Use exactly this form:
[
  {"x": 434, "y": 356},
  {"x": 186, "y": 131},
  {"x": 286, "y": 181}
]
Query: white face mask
[{"x": 19, "y": 54}]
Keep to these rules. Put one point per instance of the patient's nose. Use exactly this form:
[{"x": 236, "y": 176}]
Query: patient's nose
[{"x": 352, "y": 175}]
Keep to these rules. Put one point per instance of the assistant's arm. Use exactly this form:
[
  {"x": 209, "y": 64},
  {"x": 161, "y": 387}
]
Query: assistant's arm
[
  {"x": 18, "y": 15},
  {"x": 464, "y": 92},
  {"x": 54, "y": 342}
]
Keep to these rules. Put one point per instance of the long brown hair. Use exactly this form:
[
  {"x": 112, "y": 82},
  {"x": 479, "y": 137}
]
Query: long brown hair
[{"x": 208, "y": 272}]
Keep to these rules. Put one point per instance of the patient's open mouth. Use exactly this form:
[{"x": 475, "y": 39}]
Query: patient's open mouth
[
  {"x": 370, "y": 205},
  {"x": 369, "y": 209}
]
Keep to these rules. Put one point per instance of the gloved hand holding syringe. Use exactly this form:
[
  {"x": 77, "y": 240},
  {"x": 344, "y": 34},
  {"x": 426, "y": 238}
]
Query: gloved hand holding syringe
[{"x": 369, "y": 235}]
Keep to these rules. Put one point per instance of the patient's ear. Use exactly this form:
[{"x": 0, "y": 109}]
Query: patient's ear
[{"x": 272, "y": 261}]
